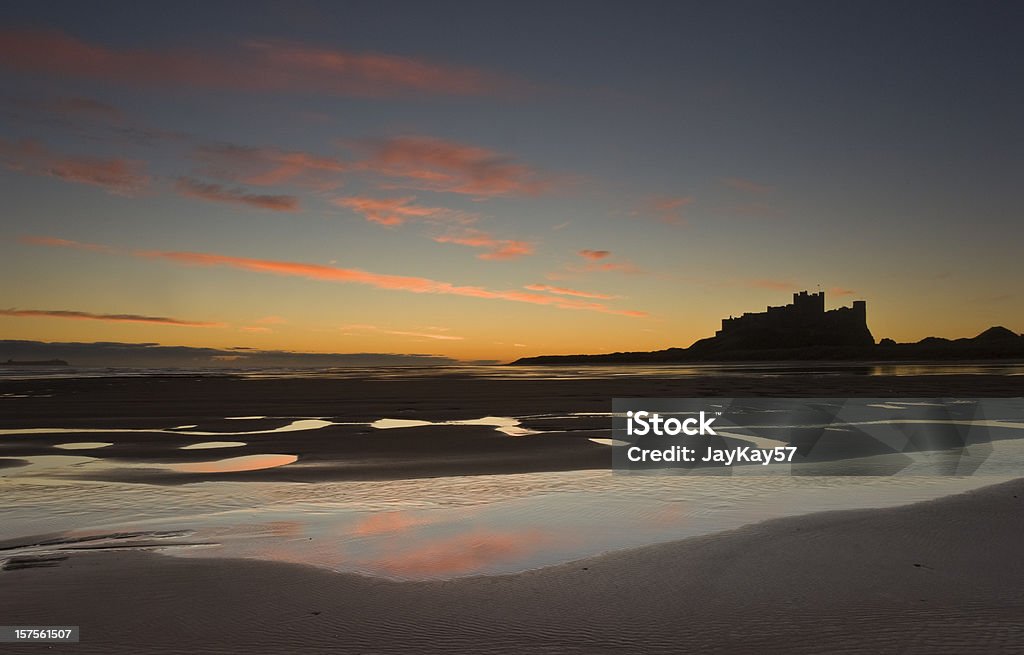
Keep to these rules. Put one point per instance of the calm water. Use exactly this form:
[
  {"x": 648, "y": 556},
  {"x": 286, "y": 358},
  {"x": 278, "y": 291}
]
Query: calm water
[
  {"x": 746, "y": 369},
  {"x": 429, "y": 528}
]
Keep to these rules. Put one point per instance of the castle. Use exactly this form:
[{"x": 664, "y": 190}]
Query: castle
[{"x": 803, "y": 323}]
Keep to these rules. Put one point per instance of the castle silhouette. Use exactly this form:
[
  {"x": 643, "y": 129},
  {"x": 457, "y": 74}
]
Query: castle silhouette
[
  {"x": 805, "y": 331},
  {"x": 803, "y": 323}
]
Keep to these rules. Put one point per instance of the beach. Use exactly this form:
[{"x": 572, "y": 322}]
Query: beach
[
  {"x": 476, "y": 513},
  {"x": 942, "y": 576}
]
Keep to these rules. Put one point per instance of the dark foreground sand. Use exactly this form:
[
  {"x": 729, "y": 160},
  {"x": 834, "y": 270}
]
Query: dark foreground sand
[
  {"x": 350, "y": 452},
  {"x": 943, "y": 576}
]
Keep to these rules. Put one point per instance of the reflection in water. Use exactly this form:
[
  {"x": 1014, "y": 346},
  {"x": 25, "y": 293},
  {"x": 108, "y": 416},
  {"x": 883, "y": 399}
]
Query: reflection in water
[
  {"x": 293, "y": 426},
  {"x": 503, "y": 424},
  {"x": 213, "y": 444},
  {"x": 390, "y": 423},
  {"x": 443, "y": 527},
  {"x": 233, "y": 464},
  {"x": 83, "y": 445},
  {"x": 471, "y": 552}
]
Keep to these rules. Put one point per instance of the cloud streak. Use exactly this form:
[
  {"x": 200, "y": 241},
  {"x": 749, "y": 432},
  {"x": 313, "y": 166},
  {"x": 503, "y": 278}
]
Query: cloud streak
[
  {"x": 191, "y": 188},
  {"x": 117, "y": 176},
  {"x": 396, "y": 211},
  {"x": 594, "y": 254},
  {"x": 117, "y": 318},
  {"x": 319, "y": 272},
  {"x": 497, "y": 249},
  {"x": 270, "y": 166},
  {"x": 255, "y": 66},
  {"x": 563, "y": 291},
  {"x": 432, "y": 164},
  {"x": 747, "y": 186},
  {"x": 670, "y": 210},
  {"x": 64, "y": 243}
]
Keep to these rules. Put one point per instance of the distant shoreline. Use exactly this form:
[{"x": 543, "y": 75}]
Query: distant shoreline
[{"x": 993, "y": 344}]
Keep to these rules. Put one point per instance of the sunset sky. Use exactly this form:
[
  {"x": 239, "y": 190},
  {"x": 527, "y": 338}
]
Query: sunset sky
[{"x": 486, "y": 181}]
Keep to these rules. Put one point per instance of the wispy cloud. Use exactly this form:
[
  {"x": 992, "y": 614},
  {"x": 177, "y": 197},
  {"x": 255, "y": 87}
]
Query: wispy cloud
[
  {"x": 432, "y": 334},
  {"x": 82, "y": 117},
  {"x": 396, "y": 211},
  {"x": 669, "y": 209},
  {"x": 839, "y": 292},
  {"x": 497, "y": 249},
  {"x": 765, "y": 283},
  {"x": 261, "y": 66},
  {"x": 563, "y": 291},
  {"x": 597, "y": 262},
  {"x": 117, "y": 318},
  {"x": 270, "y": 166},
  {"x": 386, "y": 281},
  {"x": 747, "y": 186},
  {"x": 64, "y": 243},
  {"x": 428, "y": 163},
  {"x": 118, "y": 176},
  {"x": 272, "y": 320},
  {"x": 217, "y": 193}
]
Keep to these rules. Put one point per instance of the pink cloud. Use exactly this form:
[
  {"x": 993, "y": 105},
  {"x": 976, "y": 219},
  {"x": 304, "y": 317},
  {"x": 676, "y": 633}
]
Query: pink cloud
[
  {"x": 271, "y": 166},
  {"x": 780, "y": 285},
  {"x": 262, "y": 66},
  {"x": 670, "y": 210},
  {"x": 497, "y": 249},
  {"x": 386, "y": 281},
  {"x": 840, "y": 292},
  {"x": 595, "y": 254},
  {"x": 618, "y": 267},
  {"x": 377, "y": 280},
  {"x": 217, "y": 193},
  {"x": 563, "y": 291},
  {"x": 117, "y": 318},
  {"x": 64, "y": 243},
  {"x": 595, "y": 265},
  {"x": 437, "y": 165},
  {"x": 396, "y": 211},
  {"x": 747, "y": 186},
  {"x": 118, "y": 176}
]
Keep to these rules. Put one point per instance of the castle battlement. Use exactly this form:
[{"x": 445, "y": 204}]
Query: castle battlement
[{"x": 804, "y": 322}]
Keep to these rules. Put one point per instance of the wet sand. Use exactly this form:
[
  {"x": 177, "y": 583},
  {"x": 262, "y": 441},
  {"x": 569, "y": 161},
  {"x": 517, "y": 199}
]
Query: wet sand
[
  {"x": 359, "y": 452},
  {"x": 942, "y": 576}
]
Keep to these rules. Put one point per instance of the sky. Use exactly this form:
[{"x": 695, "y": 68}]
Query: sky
[{"x": 492, "y": 180}]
